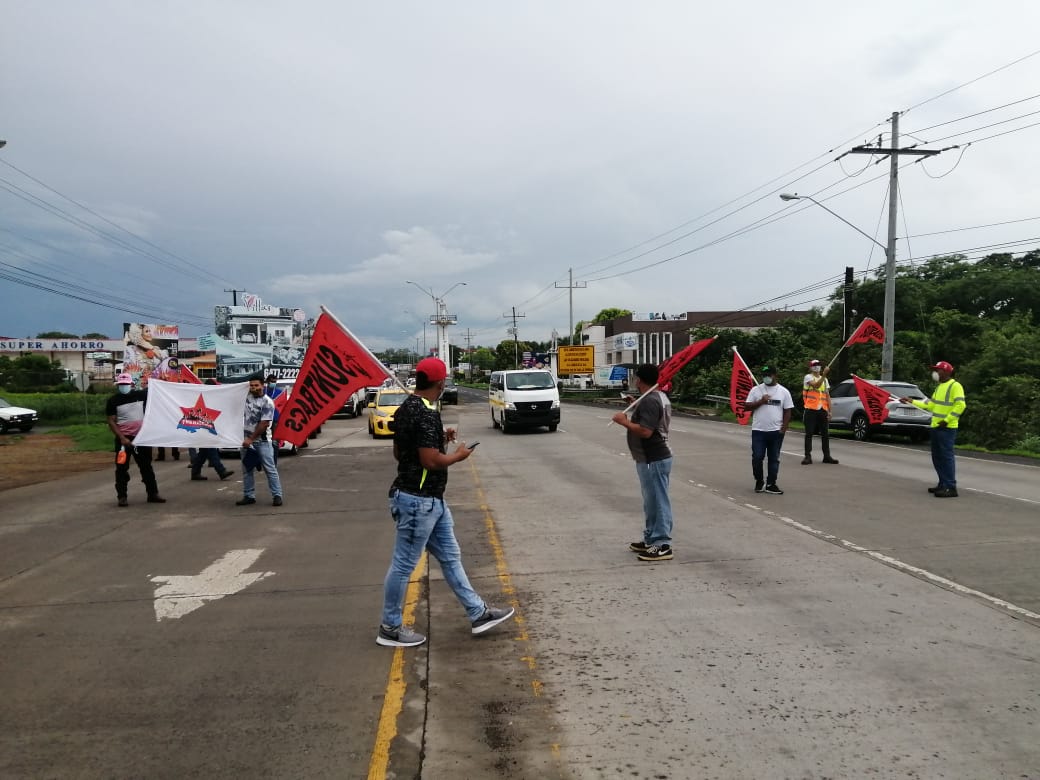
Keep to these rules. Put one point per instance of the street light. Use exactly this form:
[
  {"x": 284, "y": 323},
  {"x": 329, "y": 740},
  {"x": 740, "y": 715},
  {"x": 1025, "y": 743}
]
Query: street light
[
  {"x": 887, "y": 347},
  {"x": 441, "y": 318},
  {"x": 424, "y": 319}
]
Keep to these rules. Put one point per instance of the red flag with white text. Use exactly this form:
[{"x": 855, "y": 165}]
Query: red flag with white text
[
  {"x": 674, "y": 364},
  {"x": 875, "y": 400},
  {"x": 740, "y": 383},
  {"x": 868, "y": 331},
  {"x": 187, "y": 375},
  {"x": 335, "y": 367}
]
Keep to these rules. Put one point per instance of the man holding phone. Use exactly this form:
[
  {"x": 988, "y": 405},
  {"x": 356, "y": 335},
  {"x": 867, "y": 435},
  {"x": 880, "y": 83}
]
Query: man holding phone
[{"x": 423, "y": 519}]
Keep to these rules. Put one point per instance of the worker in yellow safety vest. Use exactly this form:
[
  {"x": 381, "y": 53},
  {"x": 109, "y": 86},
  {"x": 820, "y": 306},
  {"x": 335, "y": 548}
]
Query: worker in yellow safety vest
[
  {"x": 816, "y": 398},
  {"x": 946, "y": 407}
]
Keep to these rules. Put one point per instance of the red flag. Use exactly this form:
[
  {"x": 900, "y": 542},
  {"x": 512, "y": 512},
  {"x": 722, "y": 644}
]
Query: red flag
[
  {"x": 674, "y": 364},
  {"x": 874, "y": 399},
  {"x": 187, "y": 375},
  {"x": 335, "y": 367},
  {"x": 867, "y": 331},
  {"x": 740, "y": 384}
]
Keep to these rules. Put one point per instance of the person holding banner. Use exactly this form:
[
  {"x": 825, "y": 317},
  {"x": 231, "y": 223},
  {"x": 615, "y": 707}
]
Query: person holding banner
[
  {"x": 771, "y": 406},
  {"x": 423, "y": 519},
  {"x": 647, "y": 435},
  {"x": 816, "y": 398},
  {"x": 124, "y": 412},
  {"x": 946, "y": 407},
  {"x": 257, "y": 448}
]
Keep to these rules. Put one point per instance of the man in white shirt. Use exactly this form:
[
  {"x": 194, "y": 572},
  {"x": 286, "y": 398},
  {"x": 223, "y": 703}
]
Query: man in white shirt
[{"x": 771, "y": 405}]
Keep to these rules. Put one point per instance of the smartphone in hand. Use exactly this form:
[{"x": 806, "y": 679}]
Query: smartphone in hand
[{"x": 472, "y": 446}]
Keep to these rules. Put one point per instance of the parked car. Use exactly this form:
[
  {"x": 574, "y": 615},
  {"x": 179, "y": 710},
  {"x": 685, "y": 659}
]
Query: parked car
[
  {"x": 381, "y": 411},
  {"x": 352, "y": 406},
  {"x": 847, "y": 411},
  {"x": 451, "y": 392},
  {"x": 12, "y": 416}
]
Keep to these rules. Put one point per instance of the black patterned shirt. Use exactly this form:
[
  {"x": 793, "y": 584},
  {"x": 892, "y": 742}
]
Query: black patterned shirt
[{"x": 417, "y": 424}]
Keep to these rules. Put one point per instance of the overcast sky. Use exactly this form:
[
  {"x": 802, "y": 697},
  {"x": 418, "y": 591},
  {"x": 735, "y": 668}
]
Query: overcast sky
[{"x": 325, "y": 152}]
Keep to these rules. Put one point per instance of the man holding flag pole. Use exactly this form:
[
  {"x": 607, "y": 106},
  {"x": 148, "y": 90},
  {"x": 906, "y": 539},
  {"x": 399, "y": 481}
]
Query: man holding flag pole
[{"x": 771, "y": 406}]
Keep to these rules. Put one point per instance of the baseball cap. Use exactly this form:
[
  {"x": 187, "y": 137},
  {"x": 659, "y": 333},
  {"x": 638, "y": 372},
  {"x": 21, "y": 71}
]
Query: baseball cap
[
  {"x": 942, "y": 365},
  {"x": 814, "y": 362},
  {"x": 124, "y": 379},
  {"x": 434, "y": 369},
  {"x": 768, "y": 370}
]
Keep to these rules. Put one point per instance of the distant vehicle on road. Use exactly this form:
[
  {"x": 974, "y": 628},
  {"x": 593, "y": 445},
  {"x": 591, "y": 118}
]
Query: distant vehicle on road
[
  {"x": 847, "y": 411},
  {"x": 381, "y": 411},
  {"x": 12, "y": 416},
  {"x": 451, "y": 392},
  {"x": 527, "y": 398}
]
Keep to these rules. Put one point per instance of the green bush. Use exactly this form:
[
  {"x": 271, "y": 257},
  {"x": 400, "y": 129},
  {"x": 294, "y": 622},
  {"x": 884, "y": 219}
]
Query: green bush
[{"x": 61, "y": 408}]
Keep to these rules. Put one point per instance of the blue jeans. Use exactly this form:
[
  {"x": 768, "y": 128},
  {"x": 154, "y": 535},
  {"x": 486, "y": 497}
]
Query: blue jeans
[
  {"x": 205, "y": 455},
  {"x": 424, "y": 523},
  {"x": 657, "y": 506},
  {"x": 266, "y": 452},
  {"x": 943, "y": 440},
  {"x": 766, "y": 443}
]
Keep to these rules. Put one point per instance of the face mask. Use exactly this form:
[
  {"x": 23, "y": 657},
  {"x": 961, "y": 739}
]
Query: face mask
[
  {"x": 815, "y": 369},
  {"x": 124, "y": 389},
  {"x": 272, "y": 384},
  {"x": 767, "y": 380},
  {"x": 935, "y": 376}
]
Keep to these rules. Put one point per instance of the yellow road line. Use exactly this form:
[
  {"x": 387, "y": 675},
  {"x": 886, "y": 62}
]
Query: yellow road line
[{"x": 393, "y": 697}]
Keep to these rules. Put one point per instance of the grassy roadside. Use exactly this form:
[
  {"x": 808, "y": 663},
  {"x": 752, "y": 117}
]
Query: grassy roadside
[{"x": 92, "y": 437}]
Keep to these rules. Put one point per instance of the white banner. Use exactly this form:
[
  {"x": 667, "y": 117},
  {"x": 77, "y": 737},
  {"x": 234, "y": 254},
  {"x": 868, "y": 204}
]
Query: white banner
[{"x": 188, "y": 415}]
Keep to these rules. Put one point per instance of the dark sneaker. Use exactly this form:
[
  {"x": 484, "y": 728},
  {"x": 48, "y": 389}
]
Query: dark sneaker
[
  {"x": 226, "y": 474},
  {"x": 657, "y": 552},
  {"x": 156, "y": 499},
  {"x": 933, "y": 489},
  {"x": 774, "y": 489},
  {"x": 123, "y": 502},
  {"x": 198, "y": 478},
  {"x": 398, "y": 637},
  {"x": 492, "y": 617},
  {"x": 759, "y": 487},
  {"x": 638, "y": 547},
  {"x": 807, "y": 460},
  {"x": 277, "y": 501},
  {"x": 945, "y": 493},
  {"x": 245, "y": 501},
  {"x": 831, "y": 460}
]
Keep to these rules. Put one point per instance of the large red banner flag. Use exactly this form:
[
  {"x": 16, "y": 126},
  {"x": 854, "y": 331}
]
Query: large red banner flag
[
  {"x": 740, "y": 383},
  {"x": 335, "y": 367},
  {"x": 674, "y": 364},
  {"x": 868, "y": 331},
  {"x": 875, "y": 400}
]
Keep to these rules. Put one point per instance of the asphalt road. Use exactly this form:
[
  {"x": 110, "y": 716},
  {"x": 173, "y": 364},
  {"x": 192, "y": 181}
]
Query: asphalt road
[{"x": 853, "y": 626}]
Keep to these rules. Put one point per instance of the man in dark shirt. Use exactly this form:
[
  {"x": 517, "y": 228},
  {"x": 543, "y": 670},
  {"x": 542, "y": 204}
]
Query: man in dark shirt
[
  {"x": 125, "y": 414},
  {"x": 423, "y": 520},
  {"x": 648, "y": 443}
]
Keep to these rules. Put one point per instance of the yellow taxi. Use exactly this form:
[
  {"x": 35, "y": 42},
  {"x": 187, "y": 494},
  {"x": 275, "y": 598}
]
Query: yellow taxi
[{"x": 381, "y": 411}]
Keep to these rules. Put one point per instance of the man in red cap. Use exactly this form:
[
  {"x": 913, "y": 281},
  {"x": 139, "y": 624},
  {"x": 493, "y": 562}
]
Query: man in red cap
[
  {"x": 946, "y": 407},
  {"x": 423, "y": 520}
]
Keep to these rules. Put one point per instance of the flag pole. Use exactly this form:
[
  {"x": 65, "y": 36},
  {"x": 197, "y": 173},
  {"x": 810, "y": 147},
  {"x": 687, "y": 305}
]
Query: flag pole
[
  {"x": 743, "y": 362},
  {"x": 358, "y": 341}
]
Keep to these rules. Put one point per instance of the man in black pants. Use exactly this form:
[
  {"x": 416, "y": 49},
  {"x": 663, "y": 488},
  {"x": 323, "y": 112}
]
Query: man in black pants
[{"x": 125, "y": 414}]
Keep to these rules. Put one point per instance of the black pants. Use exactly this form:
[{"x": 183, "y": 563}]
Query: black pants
[
  {"x": 816, "y": 422},
  {"x": 142, "y": 456}
]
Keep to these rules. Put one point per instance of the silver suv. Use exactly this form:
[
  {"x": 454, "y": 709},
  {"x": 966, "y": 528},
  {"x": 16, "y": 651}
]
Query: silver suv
[{"x": 847, "y": 411}]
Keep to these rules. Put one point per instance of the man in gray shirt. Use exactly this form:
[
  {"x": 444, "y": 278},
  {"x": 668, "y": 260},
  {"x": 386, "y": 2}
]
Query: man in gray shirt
[{"x": 648, "y": 443}]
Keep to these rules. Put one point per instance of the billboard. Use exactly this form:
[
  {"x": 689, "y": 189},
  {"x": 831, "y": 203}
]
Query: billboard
[
  {"x": 656, "y": 316},
  {"x": 151, "y": 350},
  {"x": 575, "y": 360}
]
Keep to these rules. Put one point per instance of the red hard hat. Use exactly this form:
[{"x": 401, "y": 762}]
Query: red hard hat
[{"x": 942, "y": 365}]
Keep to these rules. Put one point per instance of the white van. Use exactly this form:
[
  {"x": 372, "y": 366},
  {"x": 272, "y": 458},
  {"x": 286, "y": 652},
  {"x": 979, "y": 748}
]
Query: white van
[{"x": 524, "y": 398}]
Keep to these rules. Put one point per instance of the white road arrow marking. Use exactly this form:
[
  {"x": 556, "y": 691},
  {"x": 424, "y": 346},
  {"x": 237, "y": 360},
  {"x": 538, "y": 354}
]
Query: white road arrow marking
[{"x": 182, "y": 593}]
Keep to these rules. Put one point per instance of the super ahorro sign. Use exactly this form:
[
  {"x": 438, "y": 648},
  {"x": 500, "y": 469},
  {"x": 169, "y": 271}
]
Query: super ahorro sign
[
  {"x": 576, "y": 360},
  {"x": 59, "y": 345}
]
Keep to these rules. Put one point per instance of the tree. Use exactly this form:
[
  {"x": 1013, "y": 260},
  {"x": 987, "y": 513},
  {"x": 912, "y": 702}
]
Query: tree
[
  {"x": 56, "y": 334},
  {"x": 95, "y": 336},
  {"x": 606, "y": 315}
]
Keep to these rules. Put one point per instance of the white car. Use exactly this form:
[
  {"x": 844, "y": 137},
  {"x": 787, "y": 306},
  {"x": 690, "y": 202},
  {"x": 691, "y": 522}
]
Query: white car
[
  {"x": 16, "y": 417},
  {"x": 847, "y": 411}
]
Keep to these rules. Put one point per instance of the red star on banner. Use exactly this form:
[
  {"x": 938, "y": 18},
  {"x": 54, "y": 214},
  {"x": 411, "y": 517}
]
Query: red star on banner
[{"x": 200, "y": 414}]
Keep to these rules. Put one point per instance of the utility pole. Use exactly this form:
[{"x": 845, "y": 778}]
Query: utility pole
[
  {"x": 571, "y": 287},
  {"x": 469, "y": 352},
  {"x": 234, "y": 295},
  {"x": 887, "y": 348},
  {"x": 516, "y": 340},
  {"x": 846, "y": 324}
]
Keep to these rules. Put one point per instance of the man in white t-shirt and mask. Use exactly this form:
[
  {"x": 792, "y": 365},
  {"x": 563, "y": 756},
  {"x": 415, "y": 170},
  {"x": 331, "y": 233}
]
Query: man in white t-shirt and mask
[{"x": 771, "y": 406}]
